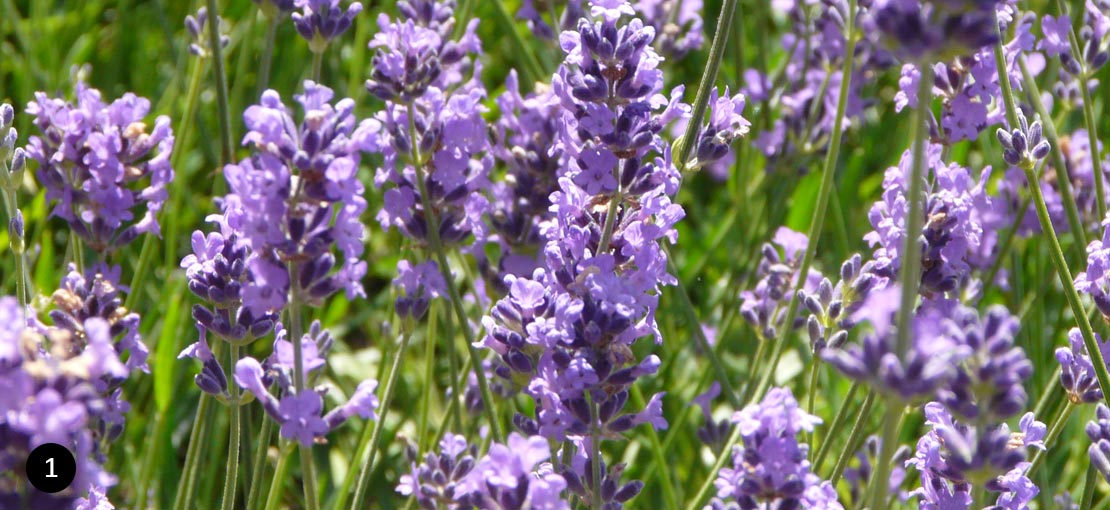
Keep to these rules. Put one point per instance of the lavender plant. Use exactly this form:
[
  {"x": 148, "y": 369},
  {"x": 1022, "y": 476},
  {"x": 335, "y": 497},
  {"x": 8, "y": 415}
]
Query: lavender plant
[{"x": 626, "y": 219}]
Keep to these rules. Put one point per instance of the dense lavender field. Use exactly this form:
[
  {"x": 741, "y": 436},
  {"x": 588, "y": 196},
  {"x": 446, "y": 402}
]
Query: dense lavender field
[{"x": 554, "y": 254}]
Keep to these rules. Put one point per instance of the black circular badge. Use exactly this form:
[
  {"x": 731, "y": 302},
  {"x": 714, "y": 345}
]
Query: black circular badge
[{"x": 51, "y": 468}]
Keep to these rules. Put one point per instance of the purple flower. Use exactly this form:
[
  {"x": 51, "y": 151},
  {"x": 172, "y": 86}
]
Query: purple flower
[
  {"x": 1098, "y": 431},
  {"x": 511, "y": 476},
  {"x": 64, "y": 390},
  {"x": 929, "y": 362},
  {"x": 298, "y": 197},
  {"x": 418, "y": 284},
  {"x": 955, "y": 455},
  {"x": 989, "y": 382},
  {"x": 919, "y": 29},
  {"x": 770, "y": 469},
  {"x": 98, "y": 163},
  {"x": 1095, "y": 280},
  {"x": 321, "y": 21},
  {"x": 1077, "y": 372},
  {"x": 299, "y": 415},
  {"x": 237, "y": 304},
  {"x": 726, "y": 124},
  {"x": 96, "y": 500},
  {"x": 1023, "y": 145},
  {"x": 524, "y": 142},
  {"x": 97, "y": 295},
  {"x": 953, "y": 229},
  {"x": 762, "y": 307},
  {"x": 678, "y": 33},
  {"x": 435, "y": 482},
  {"x": 197, "y": 27},
  {"x": 595, "y": 174},
  {"x": 1056, "y": 32}
]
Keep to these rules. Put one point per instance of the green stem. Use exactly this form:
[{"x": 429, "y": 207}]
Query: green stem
[
  {"x": 910, "y": 273},
  {"x": 1088, "y": 114},
  {"x": 708, "y": 78},
  {"x": 267, "y": 55},
  {"x": 595, "y": 454},
  {"x": 817, "y": 221},
  {"x": 198, "y": 438},
  {"x": 259, "y": 463},
  {"x": 296, "y": 334},
  {"x": 854, "y": 438},
  {"x": 232, "y": 473},
  {"x": 317, "y": 65},
  {"x": 277, "y": 486},
  {"x": 375, "y": 440},
  {"x": 879, "y": 487},
  {"x": 1054, "y": 431},
  {"x": 452, "y": 289},
  {"x": 666, "y": 482},
  {"x": 811, "y": 394},
  {"x": 11, "y": 204},
  {"x": 429, "y": 371},
  {"x": 1063, "y": 177},
  {"x": 226, "y": 148},
  {"x": 1089, "y": 488},
  {"x": 1055, "y": 251},
  {"x": 979, "y": 497},
  {"x": 837, "y": 423}
]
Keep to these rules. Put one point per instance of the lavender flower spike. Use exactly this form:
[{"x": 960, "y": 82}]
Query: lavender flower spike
[
  {"x": 99, "y": 162},
  {"x": 771, "y": 470},
  {"x": 321, "y": 21}
]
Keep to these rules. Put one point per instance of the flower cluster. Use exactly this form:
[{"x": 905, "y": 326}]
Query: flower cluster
[
  {"x": 218, "y": 273},
  {"x": 1077, "y": 372},
  {"x": 434, "y": 139},
  {"x": 297, "y": 197},
  {"x": 511, "y": 476},
  {"x": 61, "y": 385},
  {"x": 920, "y": 29},
  {"x": 927, "y": 363},
  {"x": 954, "y": 457},
  {"x": 970, "y": 444},
  {"x": 833, "y": 308},
  {"x": 771, "y": 470},
  {"x": 1095, "y": 280},
  {"x": 955, "y": 211},
  {"x": 98, "y": 163},
  {"x": 1098, "y": 431},
  {"x": 321, "y": 21},
  {"x": 811, "y": 79},
  {"x": 299, "y": 414},
  {"x": 520, "y": 203},
  {"x": 713, "y": 145},
  {"x": 677, "y": 23},
  {"x": 1090, "y": 37},
  {"x": 764, "y": 307},
  {"x": 197, "y": 27},
  {"x": 967, "y": 85}
]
